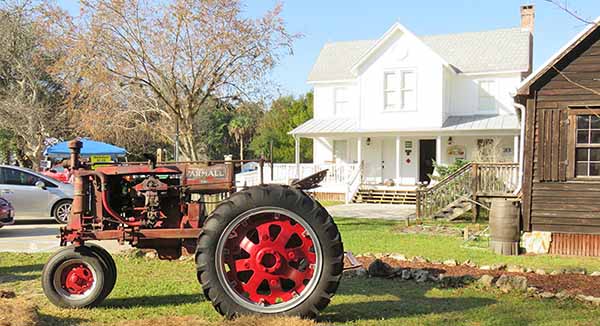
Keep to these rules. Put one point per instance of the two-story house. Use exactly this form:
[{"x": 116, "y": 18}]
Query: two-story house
[{"x": 398, "y": 103}]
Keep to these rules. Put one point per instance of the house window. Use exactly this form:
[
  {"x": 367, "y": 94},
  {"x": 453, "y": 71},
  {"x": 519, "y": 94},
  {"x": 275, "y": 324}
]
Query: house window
[
  {"x": 399, "y": 90},
  {"x": 487, "y": 95},
  {"x": 340, "y": 101},
  {"x": 587, "y": 146},
  {"x": 340, "y": 151}
]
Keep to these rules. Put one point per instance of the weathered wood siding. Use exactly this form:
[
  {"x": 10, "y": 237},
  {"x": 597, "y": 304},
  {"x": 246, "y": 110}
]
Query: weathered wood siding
[{"x": 552, "y": 200}]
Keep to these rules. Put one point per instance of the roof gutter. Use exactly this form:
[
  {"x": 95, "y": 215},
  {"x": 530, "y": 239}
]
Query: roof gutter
[{"x": 523, "y": 110}]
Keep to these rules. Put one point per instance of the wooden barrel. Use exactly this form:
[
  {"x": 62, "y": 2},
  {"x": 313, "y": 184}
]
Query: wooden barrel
[{"x": 504, "y": 227}]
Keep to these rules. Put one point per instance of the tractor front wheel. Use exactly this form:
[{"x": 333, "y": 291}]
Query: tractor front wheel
[
  {"x": 270, "y": 250},
  {"x": 75, "y": 277}
]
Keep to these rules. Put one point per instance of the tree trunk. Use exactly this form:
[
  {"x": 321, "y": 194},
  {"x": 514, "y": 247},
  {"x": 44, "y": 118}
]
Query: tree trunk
[
  {"x": 242, "y": 149},
  {"x": 188, "y": 145}
]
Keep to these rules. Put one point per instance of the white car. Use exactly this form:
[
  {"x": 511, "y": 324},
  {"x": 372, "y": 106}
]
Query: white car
[{"x": 35, "y": 196}]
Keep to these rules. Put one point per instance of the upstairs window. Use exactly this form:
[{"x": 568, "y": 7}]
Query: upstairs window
[
  {"x": 399, "y": 90},
  {"x": 487, "y": 96},
  {"x": 340, "y": 95},
  {"x": 587, "y": 146}
]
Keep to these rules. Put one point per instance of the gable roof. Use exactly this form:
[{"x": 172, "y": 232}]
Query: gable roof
[
  {"x": 396, "y": 28},
  {"x": 472, "y": 52},
  {"x": 523, "y": 88}
]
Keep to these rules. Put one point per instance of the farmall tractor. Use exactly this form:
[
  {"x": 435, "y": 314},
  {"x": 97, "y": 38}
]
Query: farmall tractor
[{"x": 268, "y": 249}]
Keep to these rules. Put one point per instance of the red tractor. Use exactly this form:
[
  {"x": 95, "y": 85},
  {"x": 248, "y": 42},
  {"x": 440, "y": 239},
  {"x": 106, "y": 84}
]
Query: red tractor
[{"x": 268, "y": 249}]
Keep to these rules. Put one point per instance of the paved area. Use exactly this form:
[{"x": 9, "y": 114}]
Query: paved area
[
  {"x": 382, "y": 211},
  {"x": 39, "y": 236}
]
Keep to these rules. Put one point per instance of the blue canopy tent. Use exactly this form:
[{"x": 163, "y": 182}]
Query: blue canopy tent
[{"x": 90, "y": 148}]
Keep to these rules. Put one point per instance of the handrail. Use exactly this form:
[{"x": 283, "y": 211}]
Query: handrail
[
  {"x": 470, "y": 181},
  {"x": 450, "y": 177},
  {"x": 354, "y": 183}
]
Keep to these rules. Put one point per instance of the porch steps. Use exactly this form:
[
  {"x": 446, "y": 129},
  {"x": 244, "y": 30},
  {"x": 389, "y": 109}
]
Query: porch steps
[
  {"x": 385, "y": 196},
  {"x": 455, "y": 210}
]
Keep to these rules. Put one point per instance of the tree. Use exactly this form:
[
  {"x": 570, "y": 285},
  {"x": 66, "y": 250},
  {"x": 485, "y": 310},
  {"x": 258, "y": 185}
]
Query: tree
[
  {"x": 285, "y": 114},
  {"x": 31, "y": 99},
  {"x": 242, "y": 126},
  {"x": 170, "y": 58}
]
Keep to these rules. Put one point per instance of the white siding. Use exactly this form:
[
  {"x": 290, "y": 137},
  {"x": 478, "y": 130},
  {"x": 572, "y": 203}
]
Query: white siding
[
  {"x": 465, "y": 93},
  {"x": 403, "y": 53}
]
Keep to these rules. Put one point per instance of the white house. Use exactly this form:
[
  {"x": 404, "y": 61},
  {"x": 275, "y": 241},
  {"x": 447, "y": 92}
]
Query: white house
[
  {"x": 399, "y": 102},
  {"x": 394, "y": 105}
]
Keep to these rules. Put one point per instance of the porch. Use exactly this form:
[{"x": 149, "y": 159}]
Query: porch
[{"x": 405, "y": 160}]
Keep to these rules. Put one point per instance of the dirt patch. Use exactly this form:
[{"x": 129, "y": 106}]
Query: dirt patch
[
  {"x": 429, "y": 230},
  {"x": 18, "y": 312},
  {"x": 242, "y": 321},
  {"x": 571, "y": 283}
]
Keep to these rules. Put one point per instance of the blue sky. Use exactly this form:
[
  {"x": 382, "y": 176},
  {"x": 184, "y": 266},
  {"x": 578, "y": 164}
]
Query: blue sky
[{"x": 338, "y": 20}]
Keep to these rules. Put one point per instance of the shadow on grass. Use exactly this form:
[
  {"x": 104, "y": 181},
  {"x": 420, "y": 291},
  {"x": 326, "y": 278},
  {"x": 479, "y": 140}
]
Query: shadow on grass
[
  {"x": 48, "y": 320},
  {"x": 382, "y": 299},
  {"x": 14, "y": 273},
  {"x": 153, "y": 301}
]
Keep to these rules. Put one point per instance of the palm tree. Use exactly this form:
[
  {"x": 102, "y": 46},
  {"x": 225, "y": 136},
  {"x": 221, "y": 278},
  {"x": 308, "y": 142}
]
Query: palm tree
[{"x": 239, "y": 127}]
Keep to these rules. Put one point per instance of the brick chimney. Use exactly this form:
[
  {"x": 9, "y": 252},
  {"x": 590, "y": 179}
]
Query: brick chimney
[{"x": 527, "y": 17}]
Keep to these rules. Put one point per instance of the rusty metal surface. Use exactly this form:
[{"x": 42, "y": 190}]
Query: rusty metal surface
[
  {"x": 575, "y": 244},
  {"x": 310, "y": 182}
]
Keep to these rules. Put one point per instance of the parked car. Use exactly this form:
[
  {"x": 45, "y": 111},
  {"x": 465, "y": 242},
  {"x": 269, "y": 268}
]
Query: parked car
[
  {"x": 34, "y": 195},
  {"x": 7, "y": 212},
  {"x": 59, "y": 173}
]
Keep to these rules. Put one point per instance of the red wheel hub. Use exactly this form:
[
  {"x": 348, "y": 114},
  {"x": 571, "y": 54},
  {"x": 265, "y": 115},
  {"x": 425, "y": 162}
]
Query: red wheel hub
[
  {"x": 270, "y": 257},
  {"x": 77, "y": 279}
]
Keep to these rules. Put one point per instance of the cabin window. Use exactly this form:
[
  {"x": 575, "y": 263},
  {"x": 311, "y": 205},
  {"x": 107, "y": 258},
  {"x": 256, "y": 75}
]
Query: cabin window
[
  {"x": 487, "y": 95},
  {"x": 341, "y": 101},
  {"x": 587, "y": 146},
  {"x": 399, "y": 90}
]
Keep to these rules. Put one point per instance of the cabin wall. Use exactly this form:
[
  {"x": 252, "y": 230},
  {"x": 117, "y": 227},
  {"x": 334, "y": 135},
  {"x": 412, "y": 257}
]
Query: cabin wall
[{"x": 552, "y": 199}]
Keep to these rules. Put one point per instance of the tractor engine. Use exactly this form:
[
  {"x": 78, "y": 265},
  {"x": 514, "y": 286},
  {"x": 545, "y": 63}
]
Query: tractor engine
[{"x": 146, "y": 199}]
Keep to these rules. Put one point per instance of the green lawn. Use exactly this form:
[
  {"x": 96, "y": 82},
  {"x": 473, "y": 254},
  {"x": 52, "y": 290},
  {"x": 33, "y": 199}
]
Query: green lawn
[
  {"x": 152, "y": 288},
  {"x": 378, "y": 236}
]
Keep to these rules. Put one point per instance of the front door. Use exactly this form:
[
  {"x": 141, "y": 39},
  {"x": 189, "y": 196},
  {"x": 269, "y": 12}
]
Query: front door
[
  {"x": 373, "y": 160},
  {"x": 426, "y": 158}
]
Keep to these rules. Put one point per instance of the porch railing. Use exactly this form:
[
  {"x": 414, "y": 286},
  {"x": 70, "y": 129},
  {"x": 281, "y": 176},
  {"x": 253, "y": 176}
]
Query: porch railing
[
  {"x": 472, "y": 181},
  {"x": 285, "y": 172}
]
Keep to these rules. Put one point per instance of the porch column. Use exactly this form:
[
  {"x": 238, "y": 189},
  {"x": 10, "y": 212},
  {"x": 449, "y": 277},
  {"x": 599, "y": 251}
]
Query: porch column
[
  {"x": 438, "y": 149},
  {"x": 398, "y": 156},
  {"x": 297, "y": 155},
  {"x": 359, "y": 150},
  {"x": 516, "y": 149}
]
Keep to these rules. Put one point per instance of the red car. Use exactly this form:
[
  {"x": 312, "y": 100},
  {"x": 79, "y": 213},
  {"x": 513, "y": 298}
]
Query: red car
[
  {"x": 7, "y": 213},
  {"x": 58, "y": 173}
]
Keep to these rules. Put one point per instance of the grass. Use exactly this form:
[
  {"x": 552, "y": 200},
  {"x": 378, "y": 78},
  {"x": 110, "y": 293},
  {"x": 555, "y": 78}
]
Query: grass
[
  {"x": 378, "y": 236},
  {"x": 150, "y": 289}
]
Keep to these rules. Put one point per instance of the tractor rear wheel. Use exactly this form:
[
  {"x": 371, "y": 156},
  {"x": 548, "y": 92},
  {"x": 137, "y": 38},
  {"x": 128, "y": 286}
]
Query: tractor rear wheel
[
  {"x": 75, "y": 277},
  {"x": 270, "y": 249}
]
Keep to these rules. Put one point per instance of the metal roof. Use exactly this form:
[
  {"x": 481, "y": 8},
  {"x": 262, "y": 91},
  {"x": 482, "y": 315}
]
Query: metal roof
[
  {"x": 452, "y": 123},
  {"x": 481, "y": 122},
  {"x": 326, "y": 126},
  {"x": 473, "y": 52}
]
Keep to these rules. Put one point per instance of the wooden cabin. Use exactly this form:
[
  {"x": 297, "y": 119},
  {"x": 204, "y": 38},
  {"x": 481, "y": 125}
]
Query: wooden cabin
[{"x": 561, "y": 168}]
